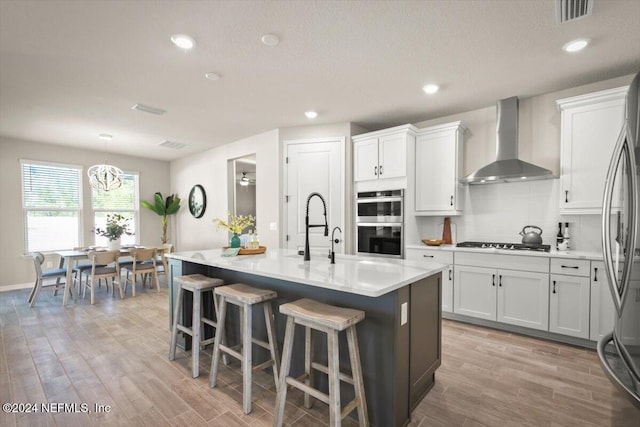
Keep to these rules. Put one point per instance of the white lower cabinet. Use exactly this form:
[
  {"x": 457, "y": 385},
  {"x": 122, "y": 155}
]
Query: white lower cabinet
[
  {"x": 569, "y": 305},
  {"x": 507, "y": 296},
  {"x": 523, "y": 299},
  {"x": 474, "y": 292},
  {"x": 443, "y": 257},
  {"x": 603, "y": 312}
]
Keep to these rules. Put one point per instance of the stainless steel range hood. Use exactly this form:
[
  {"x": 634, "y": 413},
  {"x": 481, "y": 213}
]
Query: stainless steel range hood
[{"x": 507, "y": 167}]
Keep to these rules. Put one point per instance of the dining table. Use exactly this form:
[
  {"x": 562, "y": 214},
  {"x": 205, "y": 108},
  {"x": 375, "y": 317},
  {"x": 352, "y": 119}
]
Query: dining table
[{"x": 69, "y": 258}]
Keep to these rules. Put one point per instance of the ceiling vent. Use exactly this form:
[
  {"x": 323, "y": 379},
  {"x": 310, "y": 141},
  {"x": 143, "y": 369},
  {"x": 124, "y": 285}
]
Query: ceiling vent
[
  {"x": 570, "y": 10},
  {"x": 147, "y": 109},
  {"x": 172, "y": 144}
]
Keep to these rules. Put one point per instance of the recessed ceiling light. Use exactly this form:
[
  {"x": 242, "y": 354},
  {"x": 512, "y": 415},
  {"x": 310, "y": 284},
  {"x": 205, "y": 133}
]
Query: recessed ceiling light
[
  {"x": 183, "y": 41},
  {"x": 270, "y": 39},
  {"x": 212, "y": 76},
  {"x": 105, "y": 136},
  {"x": 311, "y": 114},
  {"x": 575, "y": 45},
  {"x": 430, "y": 89}
]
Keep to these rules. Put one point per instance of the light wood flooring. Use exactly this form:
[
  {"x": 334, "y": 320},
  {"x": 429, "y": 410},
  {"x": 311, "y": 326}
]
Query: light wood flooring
[{"x": 115, "y": 353}]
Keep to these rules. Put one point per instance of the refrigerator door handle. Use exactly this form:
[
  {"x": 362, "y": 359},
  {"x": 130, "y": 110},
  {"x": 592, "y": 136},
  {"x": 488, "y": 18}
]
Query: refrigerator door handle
[{"x": 623, "y": 149}]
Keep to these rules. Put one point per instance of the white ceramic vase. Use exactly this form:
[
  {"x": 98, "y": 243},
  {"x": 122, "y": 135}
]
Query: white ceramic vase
[{"x": 114, "y": 245}]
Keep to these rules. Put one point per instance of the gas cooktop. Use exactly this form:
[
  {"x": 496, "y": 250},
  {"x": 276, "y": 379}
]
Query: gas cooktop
[{"x": 507, "y": 246}]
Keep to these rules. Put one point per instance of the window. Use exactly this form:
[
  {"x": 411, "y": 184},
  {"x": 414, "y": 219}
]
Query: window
[
  {"x": 52, "y": 205},
  {"x": 123, "y": 201}
]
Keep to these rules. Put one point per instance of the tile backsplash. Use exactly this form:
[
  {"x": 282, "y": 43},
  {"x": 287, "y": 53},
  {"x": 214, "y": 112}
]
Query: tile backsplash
[{"x": 498, "y": 212}]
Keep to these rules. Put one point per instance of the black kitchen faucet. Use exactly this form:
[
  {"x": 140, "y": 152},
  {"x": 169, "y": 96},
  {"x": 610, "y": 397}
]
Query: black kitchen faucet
[{"x": 307, "y": 254}]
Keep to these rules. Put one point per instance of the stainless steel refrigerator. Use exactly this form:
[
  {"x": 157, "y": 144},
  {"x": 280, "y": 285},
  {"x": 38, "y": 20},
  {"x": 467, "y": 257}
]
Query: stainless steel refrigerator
[{"x": 619, "y": 351}]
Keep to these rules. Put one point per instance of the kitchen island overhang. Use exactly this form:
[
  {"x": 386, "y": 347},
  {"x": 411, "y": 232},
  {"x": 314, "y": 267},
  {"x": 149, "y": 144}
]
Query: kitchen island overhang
[{"x": 399, "y": 339}]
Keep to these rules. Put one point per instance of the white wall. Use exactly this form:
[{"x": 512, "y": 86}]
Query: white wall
[
  {"x": 15, "y": 268},
  {"x": 497, "y": 212},
  {"x": 209, "y": 169}
]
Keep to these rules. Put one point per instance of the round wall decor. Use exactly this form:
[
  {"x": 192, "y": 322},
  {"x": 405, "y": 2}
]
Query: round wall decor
[{"x": 197, "y": 201}]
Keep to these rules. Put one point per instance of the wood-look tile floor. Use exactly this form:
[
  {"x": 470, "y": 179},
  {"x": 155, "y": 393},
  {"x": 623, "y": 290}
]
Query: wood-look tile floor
[{"x": 115, "y": 353}]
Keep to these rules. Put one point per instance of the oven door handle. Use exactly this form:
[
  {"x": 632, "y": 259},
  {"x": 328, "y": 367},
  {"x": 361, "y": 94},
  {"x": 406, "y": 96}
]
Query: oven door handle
[
  {"x": 380, "y": 200},
  {"x": 379, "y": 224}
]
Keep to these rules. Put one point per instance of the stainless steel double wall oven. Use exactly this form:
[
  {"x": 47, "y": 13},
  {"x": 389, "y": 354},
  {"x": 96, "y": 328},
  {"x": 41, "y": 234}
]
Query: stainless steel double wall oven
[{"x": 380, "y": 223}]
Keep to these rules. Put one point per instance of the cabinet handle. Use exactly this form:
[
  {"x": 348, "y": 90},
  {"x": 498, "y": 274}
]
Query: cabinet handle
[
  {"x": 570, "y": 266},
  {"x": 450, "y": 271},
  {"x": 554, "y": 286},
  {"x": 566, "y": 196},
  {"x": 500, "y": 280},
  {"x": 375, "y": 170},
  {"x": 595, "y": 274},
  {"x": 380, "y": 169},
  {"x": 427, "y": 256},
  {"x": 493, "y": 280},
  {"x": 451, "y": 200}
]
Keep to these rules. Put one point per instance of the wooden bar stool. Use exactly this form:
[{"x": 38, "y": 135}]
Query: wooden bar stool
[
  {"x": 199, "y": 285},
  {"x": 245, "y": 297},
  {"x": 330, "y": 320}
]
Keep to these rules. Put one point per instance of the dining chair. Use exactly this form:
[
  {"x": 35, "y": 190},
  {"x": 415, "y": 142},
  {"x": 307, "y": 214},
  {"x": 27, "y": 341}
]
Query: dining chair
[
  {"x": 42, "y": 275},
  {"x": 144, "y": 263},
  {"x": 104, "y": 265},
  {"x": 161, "y": 260},
  {"x": 82, "y": 267}
]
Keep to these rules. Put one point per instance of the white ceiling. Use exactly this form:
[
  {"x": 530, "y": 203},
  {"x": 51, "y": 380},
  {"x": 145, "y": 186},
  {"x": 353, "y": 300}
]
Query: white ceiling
[{"x": 70, "y": 70}]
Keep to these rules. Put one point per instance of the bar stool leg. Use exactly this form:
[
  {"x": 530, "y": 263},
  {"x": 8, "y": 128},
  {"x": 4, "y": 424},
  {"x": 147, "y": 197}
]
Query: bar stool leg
[
  {"x": 281, "y": 396},
  {"x": 308, "y": 372},
  {"x": 195, "y": 325},
  {"x": 273, "y": 348},
  {"x": 174, "y": 329},
  {"x": 334, "y": 379},
  {"x": 215, "y": 360},
  {"x": 247, "y": 358},
  {"x": 356, "y": 372}
]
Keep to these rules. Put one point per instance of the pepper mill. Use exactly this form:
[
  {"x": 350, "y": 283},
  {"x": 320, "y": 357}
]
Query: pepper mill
[{"x": 446, "y": 231}]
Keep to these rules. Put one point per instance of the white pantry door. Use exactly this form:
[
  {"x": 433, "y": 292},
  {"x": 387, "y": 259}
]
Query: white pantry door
[{"x": 314, "y": 166}]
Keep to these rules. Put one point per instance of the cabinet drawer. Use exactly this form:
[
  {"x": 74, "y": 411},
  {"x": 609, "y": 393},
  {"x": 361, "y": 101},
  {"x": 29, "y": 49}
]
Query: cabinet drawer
[
  {"x": 570, "y": 267},
  {"x": 538, "y": 264},
  {"x": 436, "y": 255}
]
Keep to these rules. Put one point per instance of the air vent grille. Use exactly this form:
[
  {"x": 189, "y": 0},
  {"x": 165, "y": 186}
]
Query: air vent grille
[
  {"x": 570, "y": 10},
  {"x": 172, "y": 144},
  {"x": 147, "y": 109}
]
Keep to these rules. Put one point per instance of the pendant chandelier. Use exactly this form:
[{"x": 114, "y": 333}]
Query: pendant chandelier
[{"x": 105, "y": 177}]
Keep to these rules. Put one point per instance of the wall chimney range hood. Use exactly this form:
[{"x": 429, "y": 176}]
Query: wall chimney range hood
[{"x": 507, "y": 167}]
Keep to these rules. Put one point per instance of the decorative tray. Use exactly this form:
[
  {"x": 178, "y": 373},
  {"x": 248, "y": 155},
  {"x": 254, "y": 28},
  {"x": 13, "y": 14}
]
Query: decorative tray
[
  {"x": 243, "y": 251},
  {"x": 433, "y": 242}
]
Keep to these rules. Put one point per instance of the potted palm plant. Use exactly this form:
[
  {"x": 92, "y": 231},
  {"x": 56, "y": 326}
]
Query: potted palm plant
[
  {"x": 116, "y": 226},
  {"x": 163, "y": 207}
]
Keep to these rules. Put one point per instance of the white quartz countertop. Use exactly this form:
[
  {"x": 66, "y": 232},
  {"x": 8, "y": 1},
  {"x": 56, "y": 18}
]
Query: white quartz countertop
[
  {"x": 366, "y": 276},
  {"x": 592, "y": 256}
]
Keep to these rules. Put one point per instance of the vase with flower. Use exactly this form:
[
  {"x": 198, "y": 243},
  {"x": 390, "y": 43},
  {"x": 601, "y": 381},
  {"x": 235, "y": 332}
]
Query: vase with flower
[
  {"x": 235, "y": 224},
  {"x": 115, "y": 227}
]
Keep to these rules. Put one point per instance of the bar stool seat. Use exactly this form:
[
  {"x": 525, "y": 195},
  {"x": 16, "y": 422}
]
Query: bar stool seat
[
  {"x": 245, "y": 297},
  {"x": 198, "y": 284},
  {"x": 330, "y": 320}
]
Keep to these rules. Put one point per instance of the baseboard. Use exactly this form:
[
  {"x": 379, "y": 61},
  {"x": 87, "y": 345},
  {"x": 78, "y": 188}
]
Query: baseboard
[{"x": 19, "y": 286}]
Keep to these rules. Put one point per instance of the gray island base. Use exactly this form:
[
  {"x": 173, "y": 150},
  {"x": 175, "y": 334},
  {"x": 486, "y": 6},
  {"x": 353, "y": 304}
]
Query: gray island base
[{"x": 399, "y": 339}]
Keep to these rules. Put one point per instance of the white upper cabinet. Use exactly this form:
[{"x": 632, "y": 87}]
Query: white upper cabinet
[
  {"x": 382, "y": 154},
  {"x": 438, "y": 168},
  {"x": 590, "y": 126}
]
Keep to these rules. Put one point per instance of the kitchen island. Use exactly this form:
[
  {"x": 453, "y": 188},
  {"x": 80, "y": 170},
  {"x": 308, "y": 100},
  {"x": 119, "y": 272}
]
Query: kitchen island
[{"x": 399, "y": 338}]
